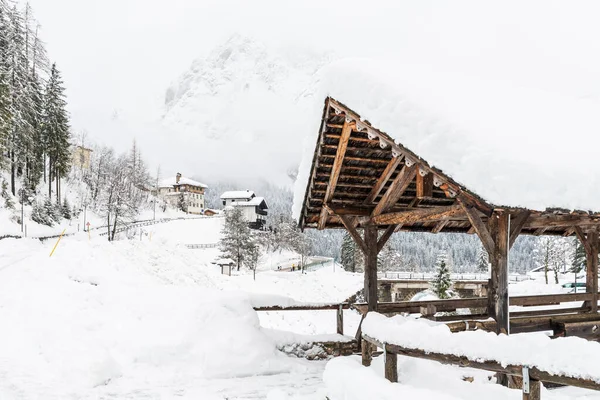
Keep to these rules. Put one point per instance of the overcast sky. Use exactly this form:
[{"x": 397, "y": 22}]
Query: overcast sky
[{"x": 119, "y": 56}]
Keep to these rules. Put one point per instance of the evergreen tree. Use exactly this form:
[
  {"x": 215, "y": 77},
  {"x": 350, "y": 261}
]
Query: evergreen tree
[
  {"x": 578, "y": 259},
  {"x": 351, "y": 255},
  {"x": 182, "y": 203},
  {"x": 237, "y": 242},
  {"x": 66, "y": 209},
  {"x": 482, "y": 260},
  {"x": 442, "y": 282},
  {"x": 389, "y": 259},
  {"x": 56, "y": 130},
  {"x": 40, "y": 215},
  {"x": 8, "y": 202}
]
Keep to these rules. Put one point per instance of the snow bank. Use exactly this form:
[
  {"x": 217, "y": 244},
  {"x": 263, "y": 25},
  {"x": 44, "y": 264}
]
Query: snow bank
[
  {"x": 498, "y": 140},
  {"x": 573, "y": 357},
  {"x": 347, "y": 379},
  {"x": 100, "y": 315}
]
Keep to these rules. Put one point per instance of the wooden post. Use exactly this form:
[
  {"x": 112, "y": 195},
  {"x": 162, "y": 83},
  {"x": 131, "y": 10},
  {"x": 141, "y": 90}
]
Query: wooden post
[
  {"x": 500, "y": 271},
  {"x": 340, "y": 320},
  {"x": 391, "y": 365},
  {"x": 366, "y": 352},
  {"x": 591, "y": 245},
  {"x": 371, "y": 267},
  {"x": 534, "y": 391}
]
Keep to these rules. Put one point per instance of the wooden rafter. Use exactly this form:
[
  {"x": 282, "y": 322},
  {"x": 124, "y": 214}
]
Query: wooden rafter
[
  {"x": 439, "y": 226},
  {"x": 385, "y": 176},
  {"x": 516, "y": 225},
  {"x": 417, "y": 215},
  {"x": 424, "y": 185},
  {"x": 396, "y": 189},
  {"x": 385, "y": 237},
  {"x": 347, "y": 222},
  {"x": 335, "y": 173},
  {"x": 479, "y": 226}
]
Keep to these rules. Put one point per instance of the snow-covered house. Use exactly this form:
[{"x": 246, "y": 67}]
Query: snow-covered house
[
  {"x": 253, "y": 208},
  {"x": 81, "y": 157},
  {"x": 183, "y": 193}
]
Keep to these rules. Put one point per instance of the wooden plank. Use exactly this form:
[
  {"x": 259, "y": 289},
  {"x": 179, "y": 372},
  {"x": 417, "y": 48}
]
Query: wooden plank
[
  {"x": 592, "y": 269},
  {"x": 306, "y": 307},
  {"x": 366, "y": 353},
  {"x": 516, "y": 225},
  {"x": 354, "y": 139},
  {"x": 535, "y": 390},
  {"x": 385, "y": 237},
  {"x": 549, "y": 299},
  {"x": 417, "y": 215},
  {"x": 385, "y": 176},
  {"x": 561, "y": 220},
  {"x": 589, "y": 330},
  {"x": 394, "y": 192},
  {"x": 424, "y": 185},
  {"x": 583, "y": 239},
  {"x": 480, "y": 228},
  {"x": 335, "y": 173},
  {"x": 359, "y": 159}
]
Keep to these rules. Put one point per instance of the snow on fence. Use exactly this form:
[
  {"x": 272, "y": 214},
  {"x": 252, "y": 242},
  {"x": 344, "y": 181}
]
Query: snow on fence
[
  {"x": 202, "y": 246},
  {"x": 426, "y": 276},
  {"x": 532, "y": 358}
]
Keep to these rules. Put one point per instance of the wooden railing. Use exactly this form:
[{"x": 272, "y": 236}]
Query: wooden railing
[
  {"x": 339, "y": 307},
  {"x": 531, "y": 377}
]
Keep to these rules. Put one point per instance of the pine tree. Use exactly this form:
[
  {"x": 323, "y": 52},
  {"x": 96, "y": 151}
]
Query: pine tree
[
  {"x": 389, "y": 259},
  {"x": 40, "y": 215},
  {"x": 348, "y": 251},
  {"x": 8, "y": 202},
  {"x": 482, "y": 260},
  {"x": 66, "y": 209},
  {"x": 442, "y": 282},
  {"x": 236, "y": 242},
  {"x": 578, "y": 260},
  {"x": 182, "y": 203},
  {"x": 56, "y": 130}
]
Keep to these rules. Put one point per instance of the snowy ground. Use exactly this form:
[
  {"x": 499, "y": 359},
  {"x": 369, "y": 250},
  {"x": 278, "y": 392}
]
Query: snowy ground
[{"x": 152, "y": 319}]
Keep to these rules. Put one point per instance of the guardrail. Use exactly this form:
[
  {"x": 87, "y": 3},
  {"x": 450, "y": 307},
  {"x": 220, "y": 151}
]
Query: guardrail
[
  {"x": 339, "y": 307},
  {"x": 426, "y": 276},
  {"x": 202, "y": 246}
]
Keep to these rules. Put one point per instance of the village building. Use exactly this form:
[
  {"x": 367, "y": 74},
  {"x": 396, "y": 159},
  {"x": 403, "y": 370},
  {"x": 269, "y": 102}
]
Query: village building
[
  {"x": 183, "y": 193},
  {"x": 254, "y": 209},
  {"x": 81, "y": 157}
]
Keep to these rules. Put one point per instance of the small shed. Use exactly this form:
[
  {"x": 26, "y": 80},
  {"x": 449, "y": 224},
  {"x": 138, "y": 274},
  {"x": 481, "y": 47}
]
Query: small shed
[{"x": 224, "y": 262}]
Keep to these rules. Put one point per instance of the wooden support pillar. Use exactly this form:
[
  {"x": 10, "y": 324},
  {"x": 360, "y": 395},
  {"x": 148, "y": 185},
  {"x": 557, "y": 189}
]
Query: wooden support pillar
[
  {"x": 535, "y": 388},
  {"x": 367, "y": 353},
  {"x": 591, "y": 245},
  {"x": 499, "y": 262},
  {"x": 371, "y": 267},
  {"x": 391, "y": 365},
  {"x": 340, "y": 320}
]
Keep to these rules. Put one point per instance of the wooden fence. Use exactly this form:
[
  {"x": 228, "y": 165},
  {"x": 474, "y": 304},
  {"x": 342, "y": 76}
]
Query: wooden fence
[
  {"x": 338, "y": 307},
  {"x": 530, "y": 377}
]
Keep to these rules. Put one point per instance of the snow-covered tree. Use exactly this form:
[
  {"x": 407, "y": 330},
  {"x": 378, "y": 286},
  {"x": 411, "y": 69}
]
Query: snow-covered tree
[
  {"x": 389, "y": 259},
  {"x": 442, "y": 281},
  {"x": 237, "y": 242},
  {"x": 40, "y": 214},
  {"x": 483, "y": 262},
  {"x": 351, "y": 256},
  {"x": 66, "y": 209},
  {"x": 578, "y": 258},
  {"x": 56, "y": 130}
]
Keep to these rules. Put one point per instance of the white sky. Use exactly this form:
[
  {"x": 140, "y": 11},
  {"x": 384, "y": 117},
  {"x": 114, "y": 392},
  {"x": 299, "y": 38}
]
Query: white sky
[{"x": 119, "y": 56}]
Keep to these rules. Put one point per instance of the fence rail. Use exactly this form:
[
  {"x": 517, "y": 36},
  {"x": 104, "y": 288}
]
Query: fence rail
[
  {"x": 202, "y": 246},
  {"x": 426, "y": 276}
]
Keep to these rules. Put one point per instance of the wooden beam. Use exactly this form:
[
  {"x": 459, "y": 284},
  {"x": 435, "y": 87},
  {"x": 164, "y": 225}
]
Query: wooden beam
[
  {"x": 561, "y": 220},
  {"x": 583, "y": 239},
  {"x": 516, "y": 225},
  {"x": 417, "y": 215},
  {"x": 499, "y": 261},
  {"x": 371, "y": 252},
  {"x": 360, "y": 159},
  {"x": 385, "y": 176},
  {"x": 539, "y": 231},
  {"x": 394, "y": 192},
  {"x": 424, "y": 185},
  {"x": 335, "y": 173},
  {"x": 592, "y": 268},
  {"x": 480, "y": 228},
  {"x": 347, "y": 222},
  {"x": 439, "y": 226},
  {"x": 385, "y": 237}
]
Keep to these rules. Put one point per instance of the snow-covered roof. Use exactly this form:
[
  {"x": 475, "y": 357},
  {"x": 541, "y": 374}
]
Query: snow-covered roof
[
  {"x": 237, "y": 194},
  {"x": 224, "y": 261},
  {"x": 255, "y": 201},
  {"x": 170, "y": 182},
  {"x": 513, "y": 146}
]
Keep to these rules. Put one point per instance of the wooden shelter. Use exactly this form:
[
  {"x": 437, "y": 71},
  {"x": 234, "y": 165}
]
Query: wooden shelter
[{"x": 362, "y": 180}]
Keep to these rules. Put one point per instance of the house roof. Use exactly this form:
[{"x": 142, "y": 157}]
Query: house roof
[
  {"x": 360, "y": 175},
  {"x": 170, "y": 182},
  {"x": 237, "y": 194},
  {"x": 255, "y": 201}
]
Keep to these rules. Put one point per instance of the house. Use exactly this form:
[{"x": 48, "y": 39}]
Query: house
[
  {"x": 183, "y": 193},
  {"x": 81, "y": 157},
  {"x": 253, "y": 208}
]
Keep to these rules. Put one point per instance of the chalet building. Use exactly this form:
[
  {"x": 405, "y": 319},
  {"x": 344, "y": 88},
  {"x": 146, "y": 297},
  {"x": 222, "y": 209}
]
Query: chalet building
[
  {"x": 180, "y": 191},
  {"x": 253, "y": 208},
  {"x": 81, "y": 157}
]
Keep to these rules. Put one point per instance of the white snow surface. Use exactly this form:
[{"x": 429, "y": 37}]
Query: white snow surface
[
  {"x": 238, "y": 194},
  {"x": 514, "y": 146},
  {"x": 169, "y": 182},
  {"x": 569, "y": 356}
]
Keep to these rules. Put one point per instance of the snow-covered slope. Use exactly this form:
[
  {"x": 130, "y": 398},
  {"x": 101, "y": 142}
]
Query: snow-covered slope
[{"x": 242, "y": 108}]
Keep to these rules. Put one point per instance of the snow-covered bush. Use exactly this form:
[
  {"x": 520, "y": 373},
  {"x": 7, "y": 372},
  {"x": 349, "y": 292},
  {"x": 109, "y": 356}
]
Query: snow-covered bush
[{"x": 40, "y": 215}]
